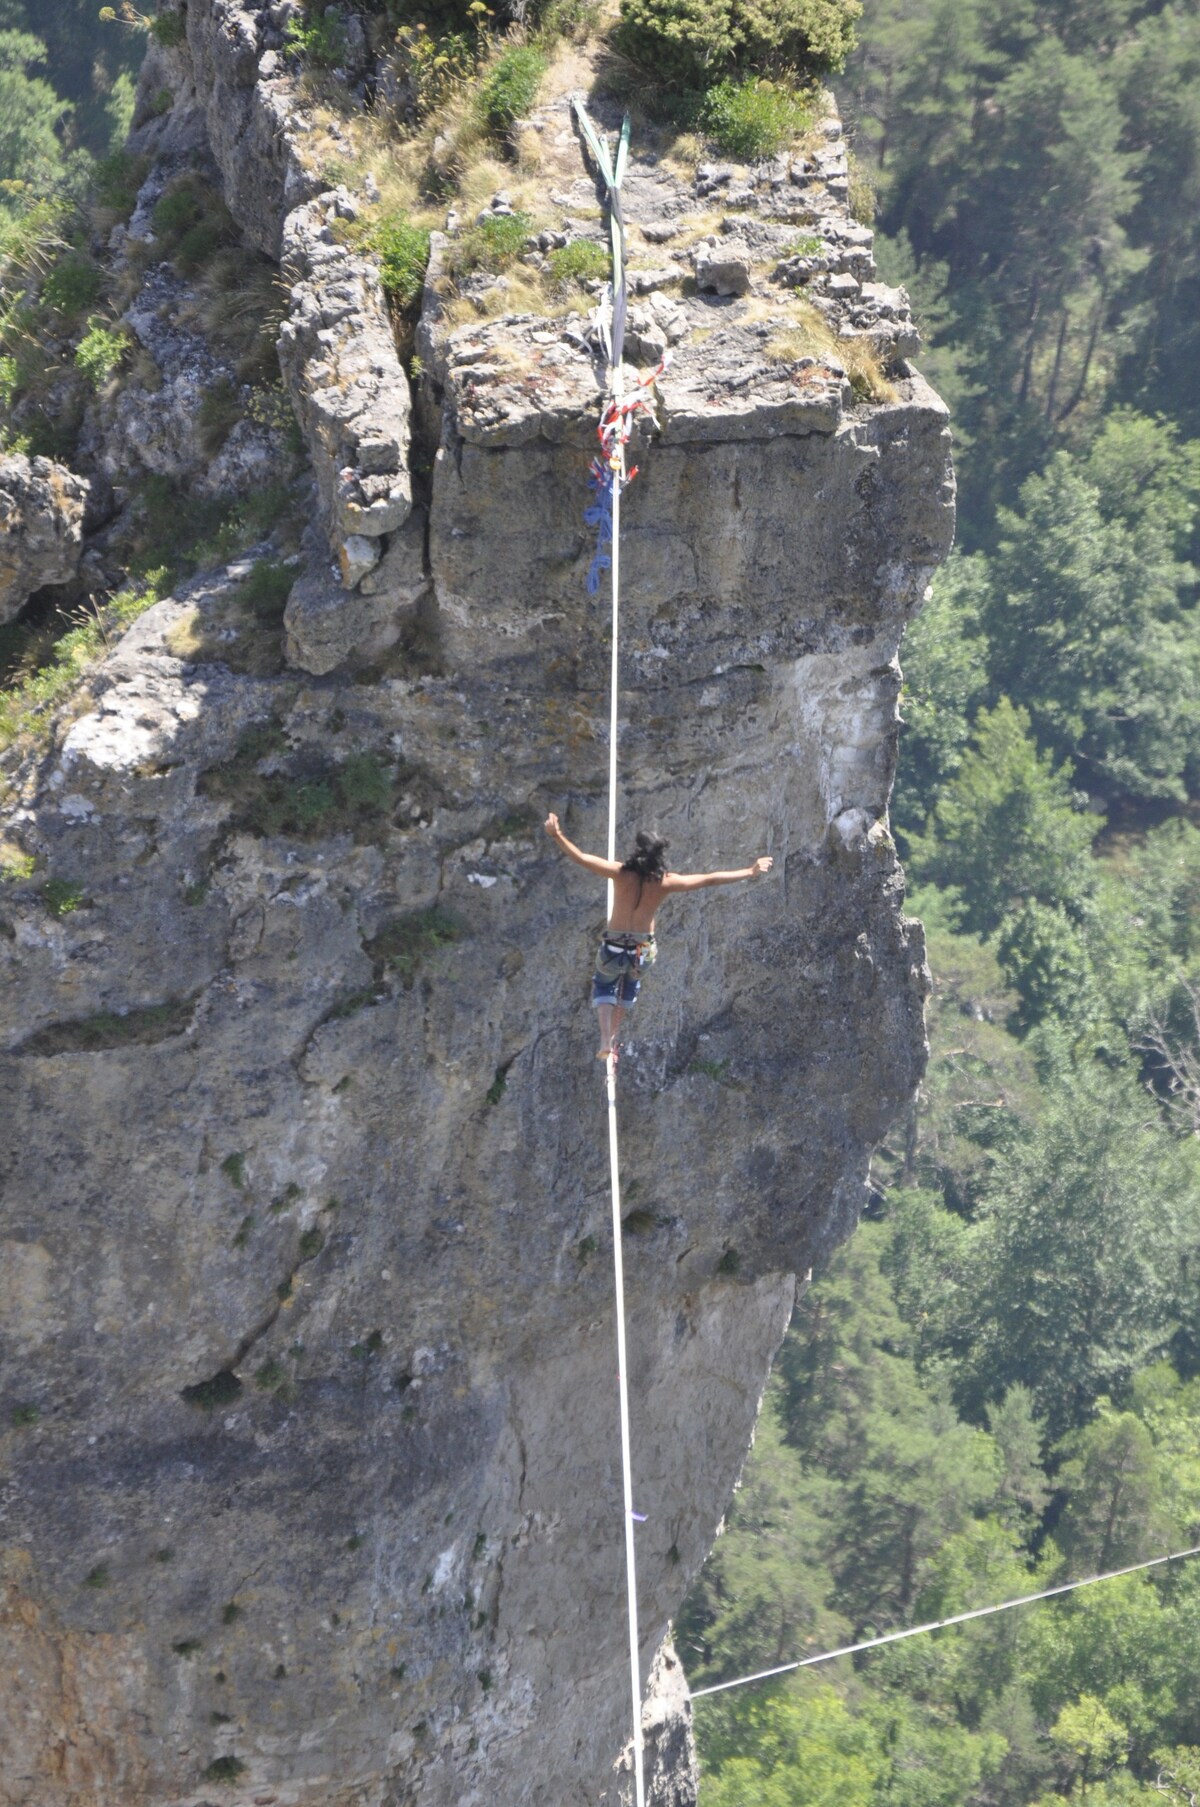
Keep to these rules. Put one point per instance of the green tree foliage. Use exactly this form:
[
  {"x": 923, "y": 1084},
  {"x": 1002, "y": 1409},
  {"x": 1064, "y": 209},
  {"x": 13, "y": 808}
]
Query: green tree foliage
[
  {"x": 31, "y": 114},
  {"x": 1077, "y": 1261},
  {"x": 945, "y": 679},
  {"x": 1109, "y": 1476},
  {"x": 1005, "y": 827},
  {"x": 1042, "y": 163},
  {"x": 1086, "y": 617},
  {"x": 91, "y": 63},
  {"x": 690, "y": 44},
  {"x": 998, "y": 1384},
  {"x": 909, "y": 1473},
  {"x": 801, "y": 1747}
]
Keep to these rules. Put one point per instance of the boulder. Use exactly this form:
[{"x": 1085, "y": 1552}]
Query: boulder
[
  {"x": 41, "y": 527},
  {"x": 723, "y": 269}
]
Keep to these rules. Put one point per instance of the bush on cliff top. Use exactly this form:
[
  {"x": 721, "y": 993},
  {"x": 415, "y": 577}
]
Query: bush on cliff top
[
  {"x": 509, "y": 88},
  {"x": 753, "y": 118},
  {"x": 690, "y": 44}
]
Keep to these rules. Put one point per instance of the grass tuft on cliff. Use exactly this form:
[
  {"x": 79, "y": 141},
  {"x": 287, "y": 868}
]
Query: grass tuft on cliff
[
  {"x": 406, "y": 942},
  {"x": 807, "y": 334},
  {"x": 355, "y": 797},
  {"x": 107, "y": 1029}
]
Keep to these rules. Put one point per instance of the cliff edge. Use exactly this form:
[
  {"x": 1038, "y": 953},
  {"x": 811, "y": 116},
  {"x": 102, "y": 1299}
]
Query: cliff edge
[{"x": 312, "y": 1489}]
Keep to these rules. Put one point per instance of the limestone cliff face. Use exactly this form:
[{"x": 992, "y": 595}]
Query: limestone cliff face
[{"x": 312, "y": 1491}]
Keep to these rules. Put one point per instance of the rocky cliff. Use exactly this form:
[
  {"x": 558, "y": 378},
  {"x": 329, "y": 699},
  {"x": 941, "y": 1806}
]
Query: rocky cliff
[{"x": 311, "y": 1483}]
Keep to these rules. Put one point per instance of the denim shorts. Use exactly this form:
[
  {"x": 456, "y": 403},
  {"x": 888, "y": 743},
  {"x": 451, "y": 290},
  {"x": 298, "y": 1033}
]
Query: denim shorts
[{"x": 617, "y": 978}]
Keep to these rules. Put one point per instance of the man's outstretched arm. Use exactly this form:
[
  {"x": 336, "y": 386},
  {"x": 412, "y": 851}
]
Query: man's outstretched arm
[
  {"x": 591, "y": 862},
  {"x": 697, "y": 881}
]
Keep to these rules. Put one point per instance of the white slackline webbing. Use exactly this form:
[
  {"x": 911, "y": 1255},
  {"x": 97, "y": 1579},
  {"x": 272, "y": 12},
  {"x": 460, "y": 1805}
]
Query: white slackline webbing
[
  {"x": 961, "y": 1618},
  {"x": 612, "y": 176},
  {"x": 614, "y": 1164}
]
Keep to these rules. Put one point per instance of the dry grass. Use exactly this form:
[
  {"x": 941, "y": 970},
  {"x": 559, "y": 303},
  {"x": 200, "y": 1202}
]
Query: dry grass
[
  {"x": 808, "y": 334},
  {"x": 240, "y": 302},
  {"x": 865, "y": 371},
  {"x": 528, "y": 151},
  {"x": 524, "y": 291}
]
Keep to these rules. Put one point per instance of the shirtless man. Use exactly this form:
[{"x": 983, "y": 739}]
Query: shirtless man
[{"x": 639, "y": 887}]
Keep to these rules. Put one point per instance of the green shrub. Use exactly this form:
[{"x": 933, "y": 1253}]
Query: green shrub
[
  {"x": 179, "y": 206},
  {"x": 752, "y": 118},
  {"x": 861, "y": 198},
  {"x": 191, "y": 223},
  {"x": 493, "y": 244},
  {"x": 433, "y": 63},
  {"x": 62, "y": 898},
  {"x": 16, "y": 867},
  {"x": 509, "y": 89},
  {"x": 97, "y": 1577},
  {"x": 169, "y": 29},
  {"x": 687, "y": 44},
  {"x": 26, "y": 704},
  {"x": 267, "y": 588},
  {"x": 319, "y": 38},
  {"x": 219, "y": 412},
  {"x": 100, "y": 351},
  {"x": 73, "y": 285},
  {"x": 25, "y": 1414},
  {"x": 684, "y": 42},
  {"x": 234, "y": 1169},
  {"x": 356, "y": 795},
  {"x": 224, "y": 1769},
  {"x": 116, "y": 182},
  {"x": 406, "y": 941},
  {"x": 364, "y": 784},
  {"x": 222, "y": 1389},
  {"x": 579, "y": 262},
  {"x": 403, "y": 254},
  {"x": 140, "y": 1027}
]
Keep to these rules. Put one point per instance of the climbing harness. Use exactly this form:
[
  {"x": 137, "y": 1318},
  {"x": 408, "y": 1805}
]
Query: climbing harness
[
  {"x": 961, "y": 1618},
  {"x": 608, "y": 477}
]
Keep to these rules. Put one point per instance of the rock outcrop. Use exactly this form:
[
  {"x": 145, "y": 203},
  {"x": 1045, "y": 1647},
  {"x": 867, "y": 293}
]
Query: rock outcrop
[
  {"x": 42, "y": 507},
  {"x": 313, "y": 1492}
]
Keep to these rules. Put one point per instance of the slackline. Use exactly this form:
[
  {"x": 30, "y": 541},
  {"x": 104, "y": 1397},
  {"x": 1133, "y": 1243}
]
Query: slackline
[{"x": 961, "y": 1618}]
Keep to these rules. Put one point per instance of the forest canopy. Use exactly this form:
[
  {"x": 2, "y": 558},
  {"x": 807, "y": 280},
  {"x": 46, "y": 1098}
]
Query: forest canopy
[{"x": 996, "y": 1384}]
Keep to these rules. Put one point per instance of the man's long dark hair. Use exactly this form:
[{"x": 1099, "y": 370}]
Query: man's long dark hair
[{"x": 647, "y": 858}]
